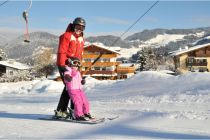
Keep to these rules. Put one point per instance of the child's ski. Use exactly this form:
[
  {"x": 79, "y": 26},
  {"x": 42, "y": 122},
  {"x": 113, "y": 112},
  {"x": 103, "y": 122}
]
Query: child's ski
[{"x": 92, "y": 121}]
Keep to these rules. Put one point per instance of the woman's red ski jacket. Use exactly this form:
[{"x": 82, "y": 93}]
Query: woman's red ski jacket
[{"x": 70, "y": 45}]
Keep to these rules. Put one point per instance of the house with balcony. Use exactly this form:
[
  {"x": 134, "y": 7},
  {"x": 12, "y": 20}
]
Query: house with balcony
[
  {"x": 196, "y": 58},
  {"x": 106, "y": 67}
]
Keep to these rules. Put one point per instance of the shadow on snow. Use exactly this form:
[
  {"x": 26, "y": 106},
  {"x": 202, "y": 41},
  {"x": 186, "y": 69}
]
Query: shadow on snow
[
  {"x": 4, "y": 114},
  {"x": 121, "y": 128},
  {"x": 118, "y": 128}
]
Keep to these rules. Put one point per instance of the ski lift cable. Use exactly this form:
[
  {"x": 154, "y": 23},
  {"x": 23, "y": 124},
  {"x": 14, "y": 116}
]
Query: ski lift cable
[
  {"x": 4, "y": 2},
  {"x": 121, "y": 36},
  {"x": 30, "y": 4},
  {"x": 134, "y": 23}
]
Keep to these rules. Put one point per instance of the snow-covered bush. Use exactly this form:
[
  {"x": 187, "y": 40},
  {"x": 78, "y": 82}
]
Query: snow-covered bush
[{"x": 19, "y": 76}]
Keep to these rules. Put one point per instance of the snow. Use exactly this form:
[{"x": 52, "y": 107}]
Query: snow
[
  {"x": 151, "y": 105},
  {"x": 165, "y": 39},
  {"x": 128, "y": 52},
  {"x": 12, "y": 63},
  {"x": 101, "y": 45},
  {"x": 178, "y": 52}
]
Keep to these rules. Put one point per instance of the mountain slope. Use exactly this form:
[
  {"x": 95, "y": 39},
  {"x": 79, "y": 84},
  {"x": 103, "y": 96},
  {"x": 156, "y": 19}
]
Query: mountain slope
[
  {"x": 110, "y": 40},
  {"x": 204, "y": 40},
  {"x": 167, "y": 39},
  {"x": 18, "y": 49}
]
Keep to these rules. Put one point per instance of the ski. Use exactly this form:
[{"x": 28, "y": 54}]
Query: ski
[{"x": 92, "y": 121}]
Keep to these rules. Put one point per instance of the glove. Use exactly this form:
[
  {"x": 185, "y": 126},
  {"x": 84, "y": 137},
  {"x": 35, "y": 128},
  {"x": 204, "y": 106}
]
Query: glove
[
  {"x": 83, "y": 80},
  {"x": 63, "y": 68},
  {"x": 67, "y": 77}
]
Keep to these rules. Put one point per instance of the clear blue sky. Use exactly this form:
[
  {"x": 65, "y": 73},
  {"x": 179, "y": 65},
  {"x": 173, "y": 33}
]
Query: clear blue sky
[{"x": 103, "y": 17}]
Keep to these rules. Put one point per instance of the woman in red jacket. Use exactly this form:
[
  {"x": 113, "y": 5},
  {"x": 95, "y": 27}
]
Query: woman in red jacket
[{"x": 71, "y": 44}]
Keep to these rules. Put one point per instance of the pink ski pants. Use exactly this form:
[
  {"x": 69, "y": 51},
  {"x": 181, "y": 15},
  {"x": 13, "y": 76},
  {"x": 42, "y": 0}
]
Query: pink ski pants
[{"x": 81, "y": 104}]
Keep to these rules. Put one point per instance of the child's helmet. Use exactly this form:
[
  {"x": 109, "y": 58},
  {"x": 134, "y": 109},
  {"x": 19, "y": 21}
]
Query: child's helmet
[{"x": 73, "y": 61}]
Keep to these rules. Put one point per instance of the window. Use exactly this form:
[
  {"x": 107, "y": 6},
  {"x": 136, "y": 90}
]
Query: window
[
  {"x": 11, "y": 73},
  {"x": 2, "y": 69},
  {"x": 87, "y": 60},
  {"x": 110, "y": 68},
  {"x": 106, "y": 60},
  {"x": 88, "y": 52},
  {"x": 100, "y": 60},
  {"x": 97, "y": 68},
  {"x": 190, "y": 60},
  {"x": 84, "y": 68},
  {"x": 103, "y": 68},
  {"x": 201, "y": 60}
]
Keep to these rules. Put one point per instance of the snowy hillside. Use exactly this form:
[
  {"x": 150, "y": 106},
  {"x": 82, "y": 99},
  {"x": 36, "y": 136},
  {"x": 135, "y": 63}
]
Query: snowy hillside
[
  {"x": 171, "y": 39},
  {"x": 24, "y": 50},
  {"x": 165, "y": 39},
  {"x": 203, "y": 40},
  {"x": 151, "y": 105}
]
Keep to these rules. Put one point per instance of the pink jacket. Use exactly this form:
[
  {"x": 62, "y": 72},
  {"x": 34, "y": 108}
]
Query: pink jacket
[{"x": 76, "y": 79}]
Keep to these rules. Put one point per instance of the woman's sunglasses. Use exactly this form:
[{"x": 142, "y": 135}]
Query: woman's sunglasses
[{"x": 79, "y": 27}]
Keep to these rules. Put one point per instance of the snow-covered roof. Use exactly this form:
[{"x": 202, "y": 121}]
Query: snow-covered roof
[
  {"x": 14, "y": 64},
  {"x": 126, "y": 64},
  {"x": 100, "y": 45},
  {"x": 178, "y": 52}
]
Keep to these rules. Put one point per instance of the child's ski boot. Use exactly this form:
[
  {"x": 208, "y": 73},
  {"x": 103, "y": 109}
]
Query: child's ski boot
[{"x": 89, "y": 116}]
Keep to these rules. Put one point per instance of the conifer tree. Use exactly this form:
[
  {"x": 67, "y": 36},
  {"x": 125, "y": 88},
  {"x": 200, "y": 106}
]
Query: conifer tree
[
  {"x": 141, "y": 59},
  {"x": 3, "y": 55}
]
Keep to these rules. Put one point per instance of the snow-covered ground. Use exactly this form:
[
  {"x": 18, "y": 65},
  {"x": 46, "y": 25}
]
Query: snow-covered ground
[{"x": 151, "y": 105}]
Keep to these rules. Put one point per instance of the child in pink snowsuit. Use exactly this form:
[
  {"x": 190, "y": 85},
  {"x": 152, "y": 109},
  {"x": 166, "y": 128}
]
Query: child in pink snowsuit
[{"x": 74, "y": 81}]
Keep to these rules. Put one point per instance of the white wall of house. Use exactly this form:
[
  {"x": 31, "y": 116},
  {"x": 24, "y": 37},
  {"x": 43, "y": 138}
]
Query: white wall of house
[{"x": 11, "y": 71}]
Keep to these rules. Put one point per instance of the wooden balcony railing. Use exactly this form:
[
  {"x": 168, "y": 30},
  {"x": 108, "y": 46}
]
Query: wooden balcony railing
[
  {"x": 100, "y": 64},
  {"x": 106, "y": 72},
  {"x": 123, "y": 70},
  {"x": 93, "y": 56},
  {"x": 197, "y": 64}
]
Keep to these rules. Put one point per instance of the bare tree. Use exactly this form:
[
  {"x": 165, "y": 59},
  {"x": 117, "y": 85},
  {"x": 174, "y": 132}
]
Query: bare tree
[{"x": 44, "y": 64}]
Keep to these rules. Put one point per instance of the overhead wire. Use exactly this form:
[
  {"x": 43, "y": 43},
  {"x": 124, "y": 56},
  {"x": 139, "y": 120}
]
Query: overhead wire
[
  {"x": 3, "y": 3},
  {"x": 30, "y": 4},
  {"x": 132, "y": 25},
  {"x": 115, "y": 41}
]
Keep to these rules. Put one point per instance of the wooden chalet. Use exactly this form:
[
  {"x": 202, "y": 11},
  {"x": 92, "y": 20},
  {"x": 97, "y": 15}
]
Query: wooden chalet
[
  {"x": 196, "y": 58},
  {"x": 106, "y": 67}
]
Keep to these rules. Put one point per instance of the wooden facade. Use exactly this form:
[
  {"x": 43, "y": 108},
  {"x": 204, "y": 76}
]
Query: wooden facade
[
  {"x": 106, "y": 67},
  {"x": 194, "y": 59}
]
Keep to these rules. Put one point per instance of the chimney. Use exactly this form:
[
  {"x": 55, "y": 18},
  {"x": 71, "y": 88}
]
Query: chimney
[{"x": 11, "y": 61}]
